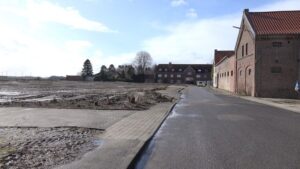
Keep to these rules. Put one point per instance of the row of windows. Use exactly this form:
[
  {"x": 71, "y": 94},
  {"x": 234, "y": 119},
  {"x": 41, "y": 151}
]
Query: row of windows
[
  {"x": 226, "y": 74},
  {"x": 179, "y": 76},
  {"x": 249, "y": 72},
  {"x": 180, "y": 70},
  {"x": 245, "y": 50},
  {"x": 245, "y": 47}
]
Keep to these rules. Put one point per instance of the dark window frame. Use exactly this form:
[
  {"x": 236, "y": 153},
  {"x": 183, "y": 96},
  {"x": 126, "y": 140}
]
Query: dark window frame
[{"x": 243, "y": 51}]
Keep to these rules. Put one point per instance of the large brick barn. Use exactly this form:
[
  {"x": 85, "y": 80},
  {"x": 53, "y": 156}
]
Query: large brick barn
[{"x": 267, "y": 54}]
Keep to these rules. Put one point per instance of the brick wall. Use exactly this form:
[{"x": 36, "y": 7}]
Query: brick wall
[
  {"x": 245, "y": 54},
  {"x": 225, "y": 74},
  {"x": 277, "y": 66}
]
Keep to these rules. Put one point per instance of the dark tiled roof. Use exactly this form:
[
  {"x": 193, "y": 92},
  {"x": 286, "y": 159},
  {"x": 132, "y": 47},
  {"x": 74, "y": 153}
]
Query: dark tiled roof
[
  {"x": 220, "y": 55},
  {"x": 277, "y": 22}
]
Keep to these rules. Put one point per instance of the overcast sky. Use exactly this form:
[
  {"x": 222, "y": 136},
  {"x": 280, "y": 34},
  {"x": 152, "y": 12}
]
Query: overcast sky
[{"x": 54, "y": 37}]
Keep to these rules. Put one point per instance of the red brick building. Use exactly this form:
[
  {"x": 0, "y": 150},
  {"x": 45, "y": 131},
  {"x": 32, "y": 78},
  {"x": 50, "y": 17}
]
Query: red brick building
[
  {"x": 267, "y": 54},
  {"x": 224, "y": 70}
]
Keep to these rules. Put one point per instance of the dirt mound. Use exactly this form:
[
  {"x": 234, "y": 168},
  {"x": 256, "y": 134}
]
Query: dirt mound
[{"x": 91, "y": 96}]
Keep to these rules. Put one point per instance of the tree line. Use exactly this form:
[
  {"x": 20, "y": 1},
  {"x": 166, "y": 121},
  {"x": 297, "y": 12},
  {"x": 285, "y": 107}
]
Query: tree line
[{"x": 135, "y": 72}]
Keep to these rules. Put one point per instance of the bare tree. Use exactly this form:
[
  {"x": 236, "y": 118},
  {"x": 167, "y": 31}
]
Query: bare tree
[{"x": 142, "y": 61}]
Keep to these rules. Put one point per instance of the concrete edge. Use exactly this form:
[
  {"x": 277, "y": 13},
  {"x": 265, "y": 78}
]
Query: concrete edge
[
  {"x": 253, "y": 99},
  {"x": 55, "y": 127},
  {"x": 137, "y": 157}
]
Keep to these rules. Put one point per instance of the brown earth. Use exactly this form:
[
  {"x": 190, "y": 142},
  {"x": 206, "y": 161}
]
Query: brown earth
[
  {"x": 43, "y": 148},
  {"x": 80, "y": 95}
]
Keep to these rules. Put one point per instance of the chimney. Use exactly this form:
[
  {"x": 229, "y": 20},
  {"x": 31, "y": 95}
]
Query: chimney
[
  {"x": 246, "y": 10},
  {"x": 170, "y": 63}
]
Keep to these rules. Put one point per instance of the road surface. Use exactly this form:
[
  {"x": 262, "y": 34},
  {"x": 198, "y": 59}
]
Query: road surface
[{"x": 213, "y": 131}]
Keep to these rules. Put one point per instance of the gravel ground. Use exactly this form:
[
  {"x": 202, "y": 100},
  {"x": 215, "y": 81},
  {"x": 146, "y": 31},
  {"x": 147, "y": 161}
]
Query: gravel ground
[
  {"x": 80, "y": 95},
  {"x": 43, "y": 148}
]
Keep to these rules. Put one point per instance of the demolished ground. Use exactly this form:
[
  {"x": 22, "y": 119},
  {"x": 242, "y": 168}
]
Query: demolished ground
[
  {"x": 36, "y": 137},
  {"x": 81, "y": 95}
]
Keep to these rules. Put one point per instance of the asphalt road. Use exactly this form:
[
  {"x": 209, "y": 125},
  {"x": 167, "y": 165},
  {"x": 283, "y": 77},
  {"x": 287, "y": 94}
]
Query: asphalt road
[{"x": 212, "y": 131}]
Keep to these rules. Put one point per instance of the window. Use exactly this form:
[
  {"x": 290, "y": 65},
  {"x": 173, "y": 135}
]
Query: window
[
  {"x": 276, "y": 70},
  {"x": 277, "y": 44},
  {"x": 173, "y": 70},
  {"x": 166, "y": 69},
  {"x": 171, "y": 75},
  {"x": 166, "y": 75},
  {"x": 246, "y": 49},
  {"x": 243, "y": 51},
  {"x": 178, "y": 76},
  {"x": 227, "y": 73},
  {"x": 159, "y": 75},
  {"x": 232, "y": 73},
  {"x": 189, "y": 73},
  {"x": 199, "y": 70},
  {"x": 198, "y": 76},
  {"x": 249, "y": 72},
  {"x": 240, "y": 73},
  {"x": 205, "y": 76},
  {"x": 180, "y": 70},
  {"x": 160, "y": 69}
]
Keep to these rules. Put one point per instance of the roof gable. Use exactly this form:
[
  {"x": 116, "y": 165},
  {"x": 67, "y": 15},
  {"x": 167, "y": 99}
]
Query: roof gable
[
  {"x": 220, "y": 55},
  {"x": 275, "y": 22}
]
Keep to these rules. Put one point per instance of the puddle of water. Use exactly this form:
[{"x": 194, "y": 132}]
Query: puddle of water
[
  {"x": 47, "y": 98},
  {"x": 5, "y": 100},
  {"x": 98, "y": 142},
  {"x": 174, "y": 114},
  {"x": 8, "y": 93}
]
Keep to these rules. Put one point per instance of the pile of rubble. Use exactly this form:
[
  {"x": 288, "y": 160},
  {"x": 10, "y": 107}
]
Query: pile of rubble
[{"x": 39, "y": 148}]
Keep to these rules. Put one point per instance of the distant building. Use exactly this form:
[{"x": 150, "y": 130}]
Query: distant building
[
  {"x": 74, "y": 78},
  {"x": 183, "y": 73},
  {"x": 149, "y": 75},
  {"x": 224, "y": 70}
]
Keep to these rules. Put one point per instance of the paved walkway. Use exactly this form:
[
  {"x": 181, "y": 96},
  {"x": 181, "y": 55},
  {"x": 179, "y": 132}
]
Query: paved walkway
[
  {"x": 287, "y": 104},
  {"x": 123, "y": 140},
  {"x": 43, "y": 117}
]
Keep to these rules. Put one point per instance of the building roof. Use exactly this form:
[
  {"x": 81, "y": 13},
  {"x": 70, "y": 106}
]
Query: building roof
[
  {"x": 275, "y": 22},
  {"x": 220, "y": 55}
]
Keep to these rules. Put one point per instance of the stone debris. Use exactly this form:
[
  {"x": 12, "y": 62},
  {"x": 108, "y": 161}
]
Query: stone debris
[
  {"x": 43, "y": 148},
  {"x": 110, "y": 97}
]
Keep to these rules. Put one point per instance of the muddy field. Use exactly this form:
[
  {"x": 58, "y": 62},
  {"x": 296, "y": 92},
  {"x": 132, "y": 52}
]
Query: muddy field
[
  {"x": 47, "y": 147},
  {"x": 80, "y": 95},
  {"x": 43, "y": 148}
]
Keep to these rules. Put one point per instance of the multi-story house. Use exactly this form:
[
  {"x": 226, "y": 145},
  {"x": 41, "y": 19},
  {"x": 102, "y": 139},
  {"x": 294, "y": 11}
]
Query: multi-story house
[{"x": 183, "y": 73}]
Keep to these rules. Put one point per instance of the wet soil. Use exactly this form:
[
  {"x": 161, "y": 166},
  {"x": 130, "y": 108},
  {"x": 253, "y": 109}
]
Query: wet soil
[
  {"x": 43, "y": 148},
  {"x": 80, "y": 95}
]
